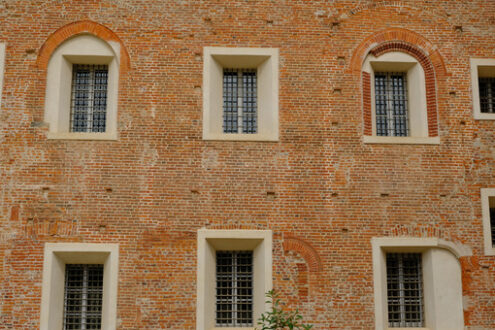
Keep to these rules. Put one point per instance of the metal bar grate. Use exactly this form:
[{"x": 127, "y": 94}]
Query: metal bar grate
[
  {"x": 83, "y": 296},
  {"x": 487, "y": 95},
  {"x": 89, "y": 98},
  {"x": 249, "y": 98},
  {"x": 492, "y": 224},
  {"x": 405, "y": 290},
  {"x": 391, "y": 104},
  {"x": 240, "y": 108},
  {"x": 234, "y": 288}
]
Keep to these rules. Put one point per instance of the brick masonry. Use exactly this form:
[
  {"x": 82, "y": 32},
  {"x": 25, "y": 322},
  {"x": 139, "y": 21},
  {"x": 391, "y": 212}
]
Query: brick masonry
[{"x": 322, "y": 191}]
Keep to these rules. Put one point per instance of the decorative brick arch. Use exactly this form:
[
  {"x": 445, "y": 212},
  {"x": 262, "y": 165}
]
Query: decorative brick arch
[
  {"x": 413, "y": 44},
  {"x": 73, "y": 29},
  {"x": 305, "y": 250}
]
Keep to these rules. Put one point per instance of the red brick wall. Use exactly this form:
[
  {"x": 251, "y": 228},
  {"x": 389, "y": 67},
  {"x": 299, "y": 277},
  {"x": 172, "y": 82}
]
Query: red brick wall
[{"x": 322, "y": 191}]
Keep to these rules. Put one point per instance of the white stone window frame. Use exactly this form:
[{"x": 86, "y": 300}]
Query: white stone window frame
[
  {"x": 56, "y": 256},
  {"x": 2, "y": 69},
  {"x": 487, "y": 200},
  {"x": 416, "y": 96},
  {"x": 209, "y": 241},
  {"x": 442, "y": 282},
  {"x": 265, "y": 60},
  {"x": 80, "y": 49},
  {"x": 480, "y": 67}
]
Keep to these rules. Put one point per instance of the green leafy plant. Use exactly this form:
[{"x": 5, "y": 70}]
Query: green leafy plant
[{"x": 277, "y": 318}]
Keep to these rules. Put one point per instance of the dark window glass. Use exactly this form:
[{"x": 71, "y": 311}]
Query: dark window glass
[
  {"x": 234, "y": 288},
  {"x": 89, "y": 98},
  {"x": 240, "y": 109},
  {"x": 405, "y": 290},
  {"x": 83, "y": 296},
  {"x": 492, "y": 224},
  {"x": 487, "y": 95},
  {"x": 391, "y": 104}
]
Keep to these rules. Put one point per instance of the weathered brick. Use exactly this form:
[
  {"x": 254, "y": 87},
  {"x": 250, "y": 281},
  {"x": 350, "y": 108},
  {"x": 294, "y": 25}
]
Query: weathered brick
[{"x": 153, "y": 188}]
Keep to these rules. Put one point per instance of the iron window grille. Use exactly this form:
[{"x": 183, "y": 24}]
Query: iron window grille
[
  {"x": 391, "y": 105},
  {"x": 89, "y": 98},
  {"x": 83, "y": 296},
  {"x": 487, "y": 95},
  {"x": 240, "y": 113},
  {"x": 234, "y": 288},
  {"x": 405, "y": 290}
]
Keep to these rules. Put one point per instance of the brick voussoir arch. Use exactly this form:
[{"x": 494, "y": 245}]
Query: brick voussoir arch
[
  {"x": 413, "y": 44},
  {"x": 76, "y": 28},
  {"x": 305, "y": 250}
]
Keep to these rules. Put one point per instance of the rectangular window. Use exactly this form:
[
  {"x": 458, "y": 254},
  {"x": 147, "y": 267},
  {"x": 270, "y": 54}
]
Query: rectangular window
[
  {"x": 83, "y": 296},
  {"x": 234, "y": 288},
  {"x": 240, "y": 101},
  {"x": 405, "y": 290},
  {"x": 89, "y": 98},
  {"x": 487, "y": 95},
  {"x": 391, "y": 104}
]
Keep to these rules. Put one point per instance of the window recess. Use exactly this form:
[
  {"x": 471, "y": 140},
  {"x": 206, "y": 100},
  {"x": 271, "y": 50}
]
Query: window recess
[
  {"x": 483, "y": 88},
  {"x": 82, "y": 89},
  {"x": 395, "y": 105},
  {"x": 240, "y": 94},
  {"x": 234, "y": 272}
]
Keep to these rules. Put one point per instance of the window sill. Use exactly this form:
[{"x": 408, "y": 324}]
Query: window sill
[
  {"x": 81, "y": 136},
  {"x": 484, "y": 116},
  {"x": 400, "y": 140},
  {"x": 490, "y": 251},
  {"x": 241, "y": 137}
]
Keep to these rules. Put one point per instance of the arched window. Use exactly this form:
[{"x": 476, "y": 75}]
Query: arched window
[
  {"x": 399, "y": 71},
  {"x": 82, "y": 89},
  {"x": 397, "y": 96}
]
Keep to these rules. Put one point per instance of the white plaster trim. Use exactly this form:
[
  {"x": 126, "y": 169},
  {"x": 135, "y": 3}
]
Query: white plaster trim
[
  {"x": 55, "y": 257},
  {"x": 475, "y": 64},
  {"x": 456, "y": 249},
  {"x": 209, "y": 240},
  {"x": 400, "y": 140},
  {"x": 2, "y": 69},
  {"x": 433, "y": 300},
  {"x": 265, "y": 60},
  {"x": 81, "y": 49},
  {"x": 486, "y": 193}
]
